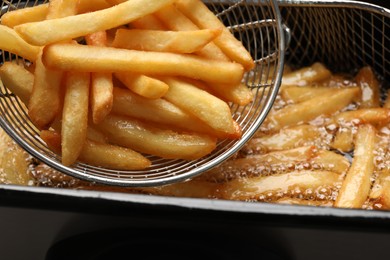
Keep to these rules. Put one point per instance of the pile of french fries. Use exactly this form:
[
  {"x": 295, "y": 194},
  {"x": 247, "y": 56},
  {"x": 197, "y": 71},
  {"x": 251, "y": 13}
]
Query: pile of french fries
[
  {"x": 325, "y": 143},
  {"x": 97, "y": 99},
  {"x": 111, "y": 82}
]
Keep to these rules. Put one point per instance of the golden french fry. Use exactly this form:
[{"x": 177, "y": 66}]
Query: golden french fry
[
  {"x": 97, "y": 38},
  {"x": 14, "y": 162},
  {"x": 208, "y": 108},
  {"x": 298, "y": 94},
  {"x": 95, "y": 135},
  {"x": 189, "y": 189},
  {"x": 25, "y": 15},
  {"x": 380, "y": 192},
  {"x": 376, "y": 116},
  {"x": 312, "y": 108},
  {"x": 46, "y": 93},
  {"x": 75, "y": 116},
  {"x": 61, "y": 8},
  {"x": 343, "y": 140},
  {"x": 105, "y": 59},
  {"x": 10, "y": 41},
  {"x": 164, "y": 41},
  {"x": 45, "y": 99},
  {"x": 175, "y": 20},
  {"x": 101, "y": 154},
  {"x": 370, "y": 86},
  {"x": 237, "y": 93},
  {"x": 330, "y": 161},
  {"x": 41, "y": 33},
  {"x": 112, "y": 156},
  {"x": 295, "y": 201},
  {"x": 146, "y": 138},
  {"x": 17, "y": 79},
  {"x": 199, "y": 13},
  {"x": 148, "y": 22},
  {"x": 257, "y": 165},
  {"x": 253, "y": 188},
  {"x": 160, "y": 111},
  {"x": 287, "y": 138},
  {"x": 356, "y": 185},
  {"x": 143, "y": 85},
  {"x": 86, "y": 6},
  {"x": 101, "y": 97},
  {"x": 317, "y": 72}
]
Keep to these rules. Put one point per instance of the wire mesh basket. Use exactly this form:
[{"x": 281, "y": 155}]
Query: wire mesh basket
[
  {"x": 256, "y": 23},
  {"x": 344, "y": 35}
]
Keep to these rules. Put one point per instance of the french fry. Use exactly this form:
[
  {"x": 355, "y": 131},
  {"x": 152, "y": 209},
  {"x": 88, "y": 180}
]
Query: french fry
[
  {"x": 343, "y": 140},
  {"x": 356, "y": 185},
  {"x": 287, "y": 138},
  {"x": 312, "y": 108},
  {"x": 146, "y": 138},
  {"x": 295, "y": 201},
  {"x": 370, "y": 86},
  {"x": 175, "y": 20},
  {"x": 101, "y": 154},
  {"x": 17, "y": 79},
  {"x": 330, "y": 161},
  {"x": 104, "y": 59},
  {"x": 45, "y": 100},
  {"x": 199, "y": 13},
  {"x": 112, "y": 156},
  {"x": 143, "y": 85},
  {"x": 61, "y": 8},
  {"x": 253, "y": 188},
  {"x": 148, "y": 22},
  {"x": 376, "y": 116},
  {"x": 238, "y": 93},
  {"x": 86, "y": 6},
  {"x": 317, "y": 72},
  {"x": 256, "y": 165},
  {"x": 46, "y": 92},
  {"x": 10, "y": 41},
  {"x": 208, "y": 108},
  {"x": 14, "y": 162},
  {"x": 164, "y": 41},
  {"x": 25, "y": 15},
  {"x": 70, "y": 27},
  {"x": 75, "y": 116},
  {"x": 95, "y": 135},
  {"x": 380, "y": 192},
  {"x": 298, "y": 94},
  {"x": 191, "y": 189},
  {"x": 159, "y": 111},
  {"x": 101, "y": 97}
]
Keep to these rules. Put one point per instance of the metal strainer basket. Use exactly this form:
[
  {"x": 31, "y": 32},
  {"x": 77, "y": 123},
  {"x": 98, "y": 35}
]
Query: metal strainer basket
[
  {"x": 344, "y": 35},
  {"x": 256, "y": 23}
]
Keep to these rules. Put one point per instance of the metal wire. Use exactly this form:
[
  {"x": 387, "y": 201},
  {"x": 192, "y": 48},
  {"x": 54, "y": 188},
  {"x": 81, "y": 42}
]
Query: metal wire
[
  {"x": 257, "y": 23},
  {"x": 344, "y": 35}
]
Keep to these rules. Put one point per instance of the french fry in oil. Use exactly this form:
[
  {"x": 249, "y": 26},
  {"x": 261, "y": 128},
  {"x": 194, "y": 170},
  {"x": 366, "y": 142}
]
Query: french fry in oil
[
  {"x": 257, "y": 165},
  {"x": 253, "y": 188},
  {"x": 287, "y": 138},
  {"x": 367, "y": 81},
  {"x": 317, "y": 72},
  {"x": 324, "y": 105},
  {"x": 356, "y": 185}
]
